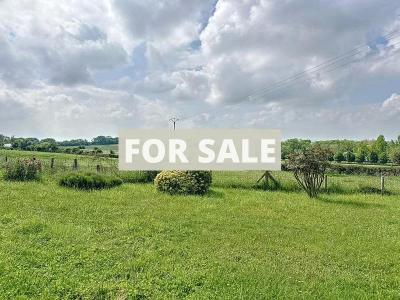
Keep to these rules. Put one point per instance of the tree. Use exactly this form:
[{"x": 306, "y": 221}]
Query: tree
[
  {"x": 383, "y": 158},
  {"x": 360, "y": 157},
  {"x": 395, "y": 155},
  {"x": 350, "y": 157},
  {"x": 380, "y": 145},
  {"x": 373, "y": 157},
  {"x": 309, "y": 168},
  {"x": 291, "y": 146},
  {"x": 339, "y": 157}
]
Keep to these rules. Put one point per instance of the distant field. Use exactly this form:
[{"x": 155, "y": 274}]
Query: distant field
[
  {"x": 237, "y": 242},
  {"x": 105, "y": 148}
]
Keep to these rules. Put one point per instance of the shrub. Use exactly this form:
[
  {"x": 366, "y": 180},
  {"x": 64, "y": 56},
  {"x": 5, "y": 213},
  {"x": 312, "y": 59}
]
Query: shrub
[
  {"x": 350, "y": 157},
  {"x": 89, "y": 181},
  {"x": 339, "y": 157},
  {"x": 309, "y": 169},
  {"x": 23, "y": 170},
  {"x": 184, "y": 182}
]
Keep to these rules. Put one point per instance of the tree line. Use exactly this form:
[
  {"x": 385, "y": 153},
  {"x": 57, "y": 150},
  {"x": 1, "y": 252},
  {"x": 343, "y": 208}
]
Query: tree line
[
  {"x": 367, "y": 151},
  {"x": 51, "y": 145}
]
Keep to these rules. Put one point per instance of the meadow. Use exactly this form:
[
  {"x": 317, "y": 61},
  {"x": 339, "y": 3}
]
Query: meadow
[{"x": 239, "y": 241}]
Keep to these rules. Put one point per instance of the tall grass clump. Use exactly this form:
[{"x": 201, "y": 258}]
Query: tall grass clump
[
  {"x": 184, "y": 182},
  {"x": 23, "y": 170},
  {"x": 89, "y": 181}
]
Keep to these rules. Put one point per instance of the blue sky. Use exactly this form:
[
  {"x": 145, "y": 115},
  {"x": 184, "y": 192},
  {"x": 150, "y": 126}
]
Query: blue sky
[{"x": 84, "y": 68}]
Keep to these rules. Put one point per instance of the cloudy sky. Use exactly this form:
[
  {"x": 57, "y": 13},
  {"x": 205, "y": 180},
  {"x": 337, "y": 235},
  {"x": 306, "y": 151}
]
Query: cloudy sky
[{"x": 315, "y": 69}]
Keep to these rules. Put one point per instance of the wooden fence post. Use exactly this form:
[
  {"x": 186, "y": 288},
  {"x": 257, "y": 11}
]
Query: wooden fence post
[
  {"x": 382, "y": 185},
  {"x": 75, "y": 167},
  {"x": 326, "y": 182},
  {"x": 98, "y": 168},
  {"x": 6, "y": 159},
  {"x": 52, "y": 163}
]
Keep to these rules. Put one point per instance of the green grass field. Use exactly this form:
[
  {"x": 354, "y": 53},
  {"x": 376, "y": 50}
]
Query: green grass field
[{"x": 237, "y": 242}]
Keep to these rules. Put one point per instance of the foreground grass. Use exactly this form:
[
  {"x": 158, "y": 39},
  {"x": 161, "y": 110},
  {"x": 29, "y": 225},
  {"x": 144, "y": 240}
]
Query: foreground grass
[{"x": 132, "y": 242}]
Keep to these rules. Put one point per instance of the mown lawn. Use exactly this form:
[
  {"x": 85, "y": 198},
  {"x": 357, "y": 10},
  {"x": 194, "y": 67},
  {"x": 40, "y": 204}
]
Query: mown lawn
[{"x": 234, "y": 243}]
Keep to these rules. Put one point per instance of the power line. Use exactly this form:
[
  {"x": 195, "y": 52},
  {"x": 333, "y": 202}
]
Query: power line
[{"x": 336, "y": 62}]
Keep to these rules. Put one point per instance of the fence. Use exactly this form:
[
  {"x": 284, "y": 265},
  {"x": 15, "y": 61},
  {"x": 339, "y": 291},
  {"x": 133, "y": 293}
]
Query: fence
[{"x": 54, "y": 164}]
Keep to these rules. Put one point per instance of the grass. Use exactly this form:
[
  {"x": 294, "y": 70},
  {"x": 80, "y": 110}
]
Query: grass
[{"x": 237, "y": 242}]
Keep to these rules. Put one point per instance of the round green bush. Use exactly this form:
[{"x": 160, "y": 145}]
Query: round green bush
[
  {"x": 89, "y": 181},
  {"x": 184, "y": 182}
]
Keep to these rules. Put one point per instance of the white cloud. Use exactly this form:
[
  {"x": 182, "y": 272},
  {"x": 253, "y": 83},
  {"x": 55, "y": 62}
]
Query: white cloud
[{"x": 91, "y": 67}]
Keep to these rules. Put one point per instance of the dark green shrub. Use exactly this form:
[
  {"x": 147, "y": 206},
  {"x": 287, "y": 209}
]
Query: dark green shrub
[
  {"x": 339, "y": 157},
  {"x": 184, "y": 182},
  {"x": 89, "y": 181},
  {"x": 23, "y": 170}
]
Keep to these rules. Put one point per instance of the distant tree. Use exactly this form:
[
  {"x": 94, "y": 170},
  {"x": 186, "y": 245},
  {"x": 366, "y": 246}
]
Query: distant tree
[
  {"x": 294, "y": 146},
  {"x": 383, "y": 158},
  {"x": 380, "y": 145},
  {"x": 395, "y": 155},
  {"x": 373, "y": 157},
  {"x": 309, "y": 168},
  {"x": 339, "y": 157},
  {"x": 350, "y": 156},
  {"x": 360, "y": 157}
]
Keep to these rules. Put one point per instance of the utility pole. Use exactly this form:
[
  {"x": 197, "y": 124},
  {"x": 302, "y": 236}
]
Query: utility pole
[{"x": 174, "y": 120}]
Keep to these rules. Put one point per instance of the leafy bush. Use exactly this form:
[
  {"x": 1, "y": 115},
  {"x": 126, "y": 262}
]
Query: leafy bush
[
  {"x": 339, "y": 157},
  {"x": 309, "y": 169},
  {"x": 23, "y": 170},
  {"x": 89, "y": 181},
  {"x": 184, "y": 182}
]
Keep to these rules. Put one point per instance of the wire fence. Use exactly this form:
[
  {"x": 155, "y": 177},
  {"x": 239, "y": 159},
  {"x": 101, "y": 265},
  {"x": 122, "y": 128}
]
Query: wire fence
[{"x": 62, "y": 165}]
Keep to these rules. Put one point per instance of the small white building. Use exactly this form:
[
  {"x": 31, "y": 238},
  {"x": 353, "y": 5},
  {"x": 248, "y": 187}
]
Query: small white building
[{"x": 7, "y": 146}]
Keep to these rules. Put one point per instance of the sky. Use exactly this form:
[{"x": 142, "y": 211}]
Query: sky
[{"x": 78, "y": 69}]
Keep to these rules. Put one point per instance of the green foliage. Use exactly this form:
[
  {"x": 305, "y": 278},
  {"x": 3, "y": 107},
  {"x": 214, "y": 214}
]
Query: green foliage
[
  {"x": 360, "y": 157},
  {"x": 138, "y": 176},
  {"x": 380, "y": 145},
  {"x": 339, "y": 157},
  {"x": 350, "y": 156},
  {"x": 294, "y": 146},
  {"x": 309, "y": 169},
  {"x": 184, "y": 182},
  {"x": 23, "y": 170},
  {"x": 89, "y": 181},
  {"x": 395, "y": 155},
  {"x": 373, "y": 157},
  {"x": 383, "y": 158}
]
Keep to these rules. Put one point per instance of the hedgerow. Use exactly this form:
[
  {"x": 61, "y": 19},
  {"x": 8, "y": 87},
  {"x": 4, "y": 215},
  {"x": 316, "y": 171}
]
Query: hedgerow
[{"x": 89, "y": 181}]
